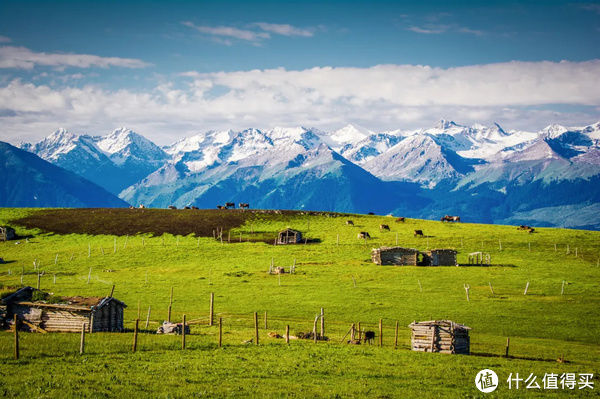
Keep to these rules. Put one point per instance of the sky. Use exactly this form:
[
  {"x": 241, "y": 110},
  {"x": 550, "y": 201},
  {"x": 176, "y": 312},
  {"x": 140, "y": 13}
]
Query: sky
[{"x": 173, "y": 69}]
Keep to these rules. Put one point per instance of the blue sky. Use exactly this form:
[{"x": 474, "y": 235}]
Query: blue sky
[{"x": 192, "y": 66}]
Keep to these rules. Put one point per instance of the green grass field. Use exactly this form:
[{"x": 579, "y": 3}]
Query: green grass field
[{"x": 542, "y": 325}]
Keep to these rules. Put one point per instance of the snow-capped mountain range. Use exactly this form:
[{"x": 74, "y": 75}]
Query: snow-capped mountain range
[{"x": 344, "y": 170}]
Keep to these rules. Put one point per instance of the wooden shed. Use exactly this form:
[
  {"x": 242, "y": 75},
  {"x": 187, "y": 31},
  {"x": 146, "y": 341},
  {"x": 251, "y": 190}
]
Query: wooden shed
[
  {"x": 443, "y": 336},
  {"x": 64, "y": 314},
  {"x": 442, "y": 257},
  {"x": 289, "y": 236},
  {"x": 7, "y": 233},
  {"x": 395, "y": 256}
]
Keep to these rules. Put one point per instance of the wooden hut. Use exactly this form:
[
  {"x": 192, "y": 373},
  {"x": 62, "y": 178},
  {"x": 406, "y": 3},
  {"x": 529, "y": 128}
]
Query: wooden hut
[
  {"x": 7, "y": 233},
  {"x": 443, "y": 336},
  {"x": 64, "y": 314},
  {"x": 442, "y": 257},
  {"x": 395, "y": 256},
  {"x": 289, "y": 236}
]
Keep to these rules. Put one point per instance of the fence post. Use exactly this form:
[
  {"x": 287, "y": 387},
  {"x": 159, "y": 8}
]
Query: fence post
[
  {"x": 211, "y": 309},
  {"x": 220, "y": 332},
  {"x": 322, "y": 323},
  {"x": 526, "y": 288},
  {"x": 82, "y": 342},
  {"x": 256, "y": 327},
  {"x": 38, "y": 280},
  {"x": 396, "y": 336},
  {"x": 287, "y": 334},
  {"x": 359, "y": 331},
  {"x": 147, "y": 318},
  {"x": 135, "y": 335},
  {"x": 170, "y": 306},
  {"x": 380, "y": 332},
  {"x": 183, "y": 333},
  {"x": 16, "y": 324},
  {"x": 507, "y": 346},
  {"x": 266, "y": 325}
]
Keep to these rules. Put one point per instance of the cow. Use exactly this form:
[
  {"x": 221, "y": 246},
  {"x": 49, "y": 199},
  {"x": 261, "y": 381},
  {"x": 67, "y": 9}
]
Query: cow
[
  {"x": 194, "y": 207},
  {"x": 186, "y": 207},
  {"x": 230, "y": 205},
  {"x": 370, "y": 213},
  {"x": 172, "y": 207},
  {"x": 244, "y": 205},
  {"x": 349, "y": 222},
  {"x": 384, "y": 227},
  {"x": 221, "y": 207},
  {"x": 369, "y": 337},
  {"x": 364, "y": 235},
  {"x": 530, "y": 230},
  {"x": 130, "y": 206},
  {"x": 419, "y": 233},
  {"x": 400, "y": 220},
  {"x": 448, "y": 218},
  {"x": 142, "y": 206}
]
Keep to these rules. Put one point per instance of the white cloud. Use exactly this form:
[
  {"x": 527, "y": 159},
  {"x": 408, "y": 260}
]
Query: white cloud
[
  {"x": 517, "y": 94},
  {"x": 5, "y": 39},
  {"x": 284, "y": 29},
  {"x": 24, "y": 58},
  {"x": 228, "y": 31},
  {"x": 225, "y": 34},
  {"x": 435, "y": 29}
]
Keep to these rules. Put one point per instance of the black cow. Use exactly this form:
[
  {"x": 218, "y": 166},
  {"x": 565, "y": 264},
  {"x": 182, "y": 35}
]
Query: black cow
[
  {"x": 369, "y": 337},
  {"x": 363, "y": 234},
  {"x": 419, "y": 233},
  {"x": 349, "y": 222},
  {"x": 230, "y": 205},
  {"x": 384, "y": 227},
  {"x": 244, "y": 205}
]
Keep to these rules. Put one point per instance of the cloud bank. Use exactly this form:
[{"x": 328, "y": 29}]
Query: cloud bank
[{"x": 517, "y": 94}]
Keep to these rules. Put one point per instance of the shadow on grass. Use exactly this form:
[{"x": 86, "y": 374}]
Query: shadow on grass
[{"x": 535, "y": 359}]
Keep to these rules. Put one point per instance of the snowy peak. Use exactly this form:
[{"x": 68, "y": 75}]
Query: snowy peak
[
  {"x": 553, "y": 131},
  {"x": 370, "y": 147},
  {"x": 444, "y": 125},
  {"x": 124, "y": 144},
  {"x": 347, "y": 135}
]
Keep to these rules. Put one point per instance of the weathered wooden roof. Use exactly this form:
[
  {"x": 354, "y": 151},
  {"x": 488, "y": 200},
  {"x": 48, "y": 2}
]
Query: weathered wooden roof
[
  {"x": 443, "y": 323},
  {"x": 288, "y": 230},
  {"x": 396, "y": 249},
  {"x": 23, "y": 297}
]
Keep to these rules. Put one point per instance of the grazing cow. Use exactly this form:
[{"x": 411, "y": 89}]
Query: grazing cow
[
  {"x": 449, "y": 218},
  {"x": 363, "y": 234},
  {"x": 172, "y": 207},
  {"x": 370, "y": 213},
  {"x": 530, "y": 230},
  {"x": 349, "y": 222},
  {"x": 230, "y": 205},
  {"x": 384, "y": 227},
  {"x": 194, "y": 207},
  {"x": 400, "y": 220},
  {"x": 369, "y": 336},
  {"x": 419, "y": 233},
  {"x": 142, "y": 206},
  {"x": 130, "y": 206},
  {"x": 221, "y": 207},
  {"x": 244, "y": 205}
]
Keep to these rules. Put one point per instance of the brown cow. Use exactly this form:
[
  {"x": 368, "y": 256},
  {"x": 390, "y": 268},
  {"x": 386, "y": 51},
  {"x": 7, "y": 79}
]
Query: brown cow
[
  {"x": 194, "y": 207},
  {"x": 172, "y": 207},
  {"x": 400, "y": 220},
  {"x": 221, "y": 207},
  {"x": 244, "y": 205},
  {"x": 349, "y": 222},
  {"x": 384, "y": 227},
  {"x": 363, "y": 234},
  {"x": 419, "y": 233}
]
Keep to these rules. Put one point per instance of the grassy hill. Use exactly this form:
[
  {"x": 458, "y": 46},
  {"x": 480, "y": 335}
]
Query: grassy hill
[{"x": 146, "y": 252}]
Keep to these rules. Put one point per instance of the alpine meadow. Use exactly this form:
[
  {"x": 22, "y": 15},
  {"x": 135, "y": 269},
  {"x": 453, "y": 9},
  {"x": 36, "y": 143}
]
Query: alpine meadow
[{"x": 299, "y": 199}]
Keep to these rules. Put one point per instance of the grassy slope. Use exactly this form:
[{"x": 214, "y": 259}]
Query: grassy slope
[{"x": 542, "y": 325}]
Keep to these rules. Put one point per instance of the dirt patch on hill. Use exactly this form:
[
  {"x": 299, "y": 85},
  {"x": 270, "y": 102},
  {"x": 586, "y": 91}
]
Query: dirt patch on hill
[{"x": 123, "y": 221}]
